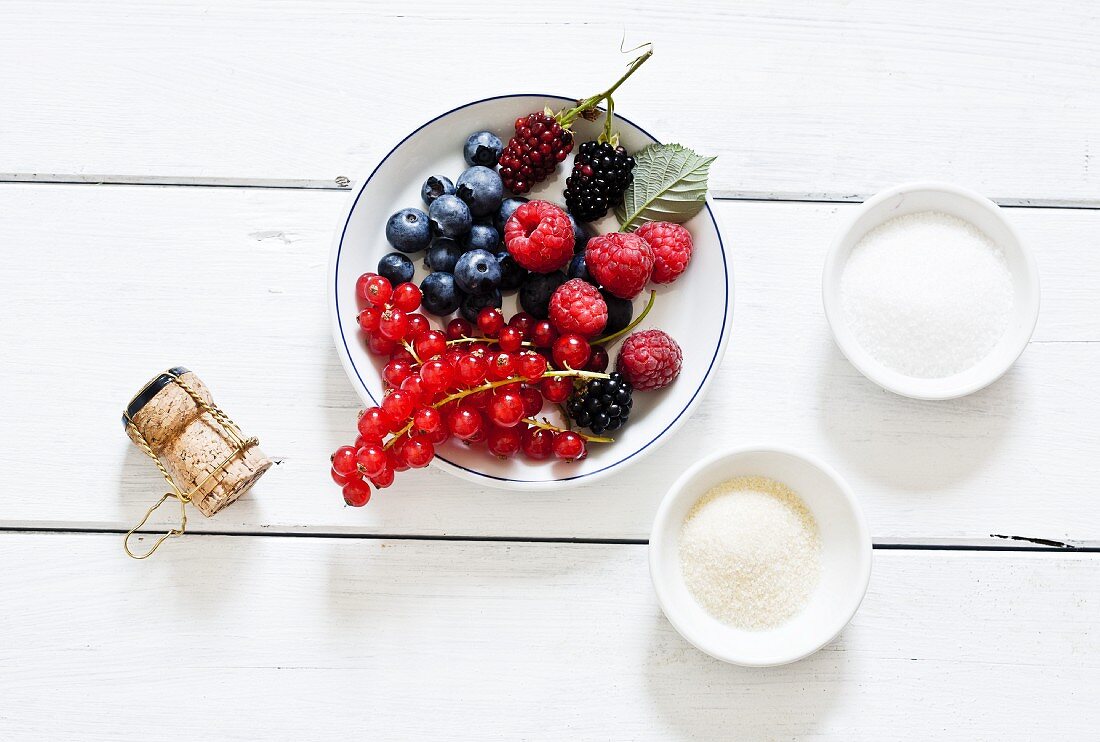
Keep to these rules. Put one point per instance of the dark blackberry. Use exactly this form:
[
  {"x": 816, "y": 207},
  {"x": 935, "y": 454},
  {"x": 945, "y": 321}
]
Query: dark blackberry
[
  {"x": 602, "y": 404},
  {"x": 601, "y": 174}
]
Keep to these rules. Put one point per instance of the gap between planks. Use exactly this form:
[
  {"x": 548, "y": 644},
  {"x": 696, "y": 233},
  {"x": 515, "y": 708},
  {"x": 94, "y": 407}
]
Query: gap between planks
[
  {"x": 1010, "y": 543},
  {"x": 344, "y": 184}
]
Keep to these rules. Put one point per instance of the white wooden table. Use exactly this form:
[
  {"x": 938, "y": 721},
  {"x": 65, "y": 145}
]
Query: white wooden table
[{"x": 172, "y": 174}]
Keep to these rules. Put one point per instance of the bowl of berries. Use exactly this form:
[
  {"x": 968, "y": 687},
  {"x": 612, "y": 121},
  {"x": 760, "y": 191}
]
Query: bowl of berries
[{"x": 527, "y": 291}]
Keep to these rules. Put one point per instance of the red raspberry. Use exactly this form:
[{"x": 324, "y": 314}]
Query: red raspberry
[
  {"x": 539, "y": 236},
  {"x": 649, "y": 360},
  {"x": 621, "y": 262},
  {"x": 577, "y": 307},
  {"x": 672, "y": 248}
]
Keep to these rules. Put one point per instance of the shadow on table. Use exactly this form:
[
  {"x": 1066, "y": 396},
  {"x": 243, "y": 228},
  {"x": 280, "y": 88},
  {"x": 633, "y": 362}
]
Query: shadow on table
[
  {"x": 911, "y": 444},
  {"x": 704, "y": 698}
]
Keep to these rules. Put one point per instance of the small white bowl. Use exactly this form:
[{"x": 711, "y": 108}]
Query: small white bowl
[
  {"x": 987, "y": 217},
  {"x": 845, "y": 558}
]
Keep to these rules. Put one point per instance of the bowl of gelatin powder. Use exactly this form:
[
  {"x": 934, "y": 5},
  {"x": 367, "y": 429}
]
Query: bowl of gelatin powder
[{"x": 929, "y": 292}]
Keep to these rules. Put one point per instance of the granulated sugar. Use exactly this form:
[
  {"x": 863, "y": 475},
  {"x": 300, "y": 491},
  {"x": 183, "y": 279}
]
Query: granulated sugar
[
  {"x": 927, "y": 294},
  {"x": 749, "y": 552}
]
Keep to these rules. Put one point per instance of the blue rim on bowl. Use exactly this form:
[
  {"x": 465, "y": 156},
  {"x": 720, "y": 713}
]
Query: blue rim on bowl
[{"x": 441, "y": 460}]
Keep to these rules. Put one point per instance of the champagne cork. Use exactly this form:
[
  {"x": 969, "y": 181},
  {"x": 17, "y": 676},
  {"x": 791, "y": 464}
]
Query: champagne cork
[{"x": 192, "y": 442}]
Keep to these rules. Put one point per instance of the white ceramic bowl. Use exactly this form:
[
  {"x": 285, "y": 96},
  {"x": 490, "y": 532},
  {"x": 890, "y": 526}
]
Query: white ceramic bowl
[
  {"x": 845, "y": 558},
  {"x": 987, "y": 217},
  {"x": 696, "y": 309}
]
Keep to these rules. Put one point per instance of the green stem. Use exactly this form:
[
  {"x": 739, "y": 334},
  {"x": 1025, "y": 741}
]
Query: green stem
[
  {"x": 546, "y": 425},
  {"x": 565, "y": 118},
  {"x": 637, "y": 320}
]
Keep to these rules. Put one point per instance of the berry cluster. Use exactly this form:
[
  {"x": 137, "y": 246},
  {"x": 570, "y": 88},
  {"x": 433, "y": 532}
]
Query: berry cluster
[
  {"x": 534, "y": 151},
  {"x": 478, "y": 383}
]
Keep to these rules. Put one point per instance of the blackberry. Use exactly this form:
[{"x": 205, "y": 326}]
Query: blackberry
[
  {"x": 602, "y": 404},
  {"x": 533, "y": 153},
  {"x": 601, "y": 174}
]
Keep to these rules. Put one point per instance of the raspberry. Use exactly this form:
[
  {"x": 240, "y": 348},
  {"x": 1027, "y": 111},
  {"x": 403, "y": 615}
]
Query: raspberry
[
  {"x": 534, "y": 151},
  {"x": 539, "y": 236},
  {"x": 577, "y": 307},
  {"x": 621, "y": 262},
  {"x": 672, "y": 249},
  {"x": 649, "y": 360},
  {"x": 601, "y": 175}
]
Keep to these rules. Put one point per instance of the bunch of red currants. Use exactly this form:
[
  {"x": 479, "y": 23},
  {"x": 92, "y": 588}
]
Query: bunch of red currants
[{"x": 484, "y": 383}]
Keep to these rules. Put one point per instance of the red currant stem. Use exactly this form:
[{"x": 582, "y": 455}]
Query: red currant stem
[
  {"x": 412, "y": 352},
  {"x": 546, "y": 425},
  {"x": 565, "y": 118},
  {"x": 490, "y": 341},
  {"x": 637, "y": 320},
  {"x": 493, "y": 385}
]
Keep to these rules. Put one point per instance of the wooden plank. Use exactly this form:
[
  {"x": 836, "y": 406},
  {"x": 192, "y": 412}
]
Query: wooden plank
[
  {"x": 808, "y": 98},
  {"x": 106, "y": 286},
  {"x": 226, "y": 638}
]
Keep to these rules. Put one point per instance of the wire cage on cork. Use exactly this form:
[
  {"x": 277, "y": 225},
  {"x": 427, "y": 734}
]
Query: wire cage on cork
[{"x": 200, "y": 452}]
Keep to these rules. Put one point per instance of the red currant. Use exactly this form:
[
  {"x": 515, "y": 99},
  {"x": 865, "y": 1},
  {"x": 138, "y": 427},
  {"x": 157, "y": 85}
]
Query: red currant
[
  {"x": 523, "y": 322},
  {"x": 568, "y": 446},
  {"x": 378, "y": 290},
  {"x": 510, "y": 339},
  {"x": 343, "y": 460},
  {"x": 418, "y": 325},
  {"x": 490, "y": 321},
  {"x": 506, "y": 409},
  {"x": 431, "y": 344},
  {"x": 418, "y": 451},
  {"x": 502, "y": 366},
  {"x": 361, "y": 284},
  {"x": 406, "y": 297},
  {"x": 571, "y": 351},
  {"x": 371, "y": 460},
  {"x": 383, "y": 480},
  {"x": 503, "y": 442},
  {"x": 543, "y": 334},
  {"x": 393, "y": 324},
  {"x": 381, "y": 346},
  {"x": 375, "y": 423},
  {"x": 530, "y": 366},
  {"x": 465, "y": 422},
  {"x": 459, "y": 328},
  {"x": 397, "y": 461},
  {"x": 556, "y": 389},
  {"x": 532, "y": 401},
  {"x": 399, "y": 406},
  {"x": 339, "y": 478},
  {"x": 437, "y": 375},
  {"x": 414, "y": 385},
  {"x": 356, "y": 493},
  {"x": 396, "y": 371},
  {"x": 537, "y": 443},
  {"x": 471, "y": 369},
  {"x": 368, "y": 319},
  {"x": 598, "y": 361},
  {"x": 427, "y": 420}
]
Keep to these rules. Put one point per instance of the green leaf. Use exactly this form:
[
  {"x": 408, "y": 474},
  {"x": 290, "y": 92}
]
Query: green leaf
[{"x": 670, "y": 185}]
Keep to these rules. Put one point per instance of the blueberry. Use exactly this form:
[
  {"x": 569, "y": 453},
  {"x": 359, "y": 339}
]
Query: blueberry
[
  {"x": 436, "y": 186},
  {"x": 507, "y": 206},
  {"x": 619, "y": 313},
  {"x": 450, "y": 216},
  {"x": 535, "y": 293},
  {"x": 408, "y": 230},
  {"x": 444, "y": 254},
  {"x": 578, "y": 268},
  {"x": 472, "y": 304},
  {"x": 481, "y": 189},
  {"x": 581, "y": 235},
  {"x": 483, "y": 148},
  {"x": 512, "y": 274},
  {"x": 396, "y": 268},
  {"x": 440, "y": 294},
  {"x": 477, "y": 272},
  {"x": 483, "y": 237}
]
